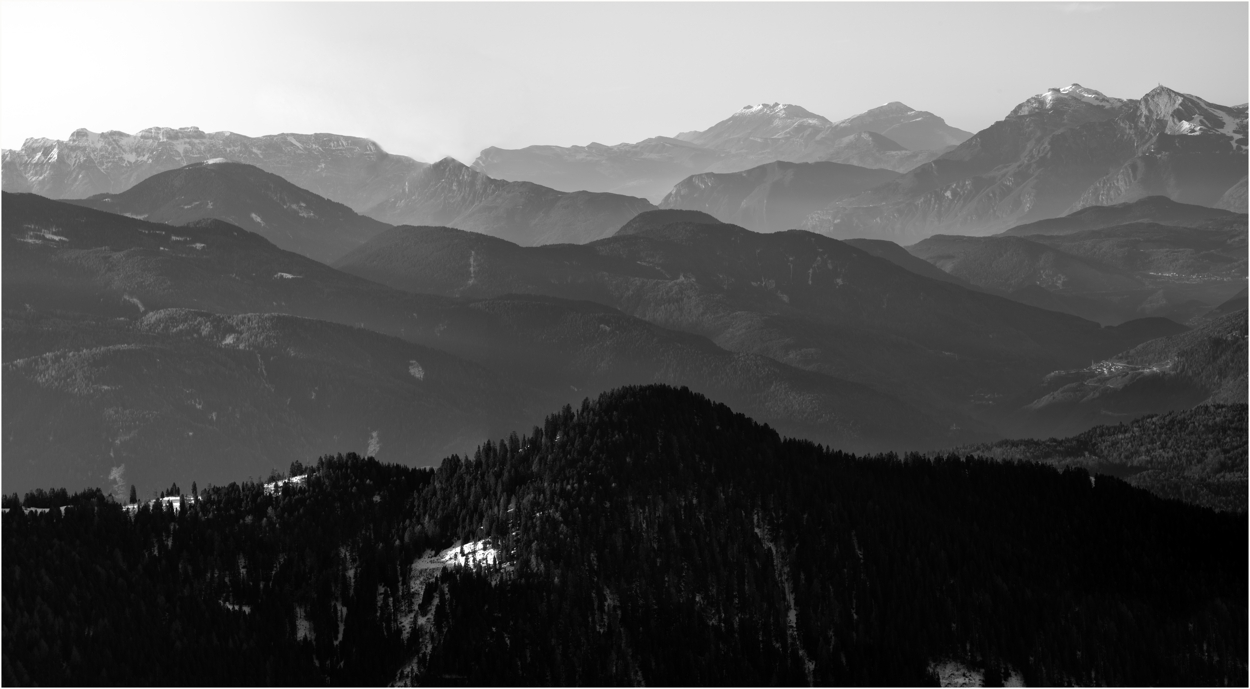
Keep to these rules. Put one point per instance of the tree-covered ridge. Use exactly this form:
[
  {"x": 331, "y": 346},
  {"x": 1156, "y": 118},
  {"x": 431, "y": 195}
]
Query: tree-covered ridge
[
  {"x": 651, "y": 536},
  {"x": 1196, "y": 455}
]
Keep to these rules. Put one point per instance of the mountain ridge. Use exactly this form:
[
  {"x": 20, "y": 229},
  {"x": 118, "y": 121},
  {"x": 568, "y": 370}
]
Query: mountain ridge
[
  {"x": 898, "y": 138},
  {"x": 248, "y": 197},
  {"x": 353, "y": 171},
  {"x": 1049, "y": 157}
]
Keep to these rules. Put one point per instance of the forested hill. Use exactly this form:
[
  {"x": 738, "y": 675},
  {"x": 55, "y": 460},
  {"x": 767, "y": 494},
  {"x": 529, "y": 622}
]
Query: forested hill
[
  {"x": 649, "y": 537},
  {"x": 1197, "y": 455}
]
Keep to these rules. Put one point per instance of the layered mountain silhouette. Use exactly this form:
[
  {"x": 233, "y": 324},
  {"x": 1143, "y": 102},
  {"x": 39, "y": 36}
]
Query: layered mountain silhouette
[
  {"x": 1112, "y": 274},
  {"x": 1154, "y": 209},
  {"x": 246, "y": 196},
  {"x": 796, "y": 297},
  {"x": 772, "y": 197},
  {"x": 891, "y": 137},
  {"x": 1057, "y": 152},
  {"x": 350, "y": 170},
  {"x": 450, "y": 193},
  {"x": 60, "y": 257}
]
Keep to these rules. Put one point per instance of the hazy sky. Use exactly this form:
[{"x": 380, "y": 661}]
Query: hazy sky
[{"x": 429, "y": 80}]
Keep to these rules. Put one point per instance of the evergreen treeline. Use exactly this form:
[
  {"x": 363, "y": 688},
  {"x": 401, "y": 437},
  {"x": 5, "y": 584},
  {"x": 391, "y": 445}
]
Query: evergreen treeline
[
  {"x": 649, "y": 537},
  {"x": 1196, "y": 455}
]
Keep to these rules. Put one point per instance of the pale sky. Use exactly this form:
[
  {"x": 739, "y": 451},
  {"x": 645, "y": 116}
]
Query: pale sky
[{"x": 432, "y": 79}]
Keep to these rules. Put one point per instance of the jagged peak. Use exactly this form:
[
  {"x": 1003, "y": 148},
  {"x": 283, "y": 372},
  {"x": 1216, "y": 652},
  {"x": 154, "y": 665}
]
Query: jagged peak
[{"x": 170, "y": 133}]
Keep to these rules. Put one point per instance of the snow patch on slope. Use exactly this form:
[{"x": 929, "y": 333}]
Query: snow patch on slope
[{"x": 270, "y": 488}]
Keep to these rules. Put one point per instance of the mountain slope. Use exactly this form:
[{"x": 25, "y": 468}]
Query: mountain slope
[
  {"x": 449, "y": 193},
  {"x": 876, "y": 151},
  {"x": 902, "y": 258},
  {"x": 654, "y": 220},
  {"x": 1205, "y": 365},
  {"x": 178, "y": 392},
  {"x": 63, "y": 257},
  {"x": 1051, "y": 156},
  {"x": 773, "y": 197},
  {"x": 1111, "y": 274},
  {"x": 648, "y": 169},
  {"x": 799, "y": 298},
  {"x": 1235, "y": 198},
  {"x": 647, "y": 537},
  {"x": 350, "y": 170},
  {"x": 246, "y": 196},
  {"x": 1155, "y": 209},
  {"x": 1010, "y": 263}
]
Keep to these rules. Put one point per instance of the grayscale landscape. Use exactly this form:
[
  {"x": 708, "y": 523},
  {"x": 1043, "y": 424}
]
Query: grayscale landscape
[{"x": 418, "y": 383}]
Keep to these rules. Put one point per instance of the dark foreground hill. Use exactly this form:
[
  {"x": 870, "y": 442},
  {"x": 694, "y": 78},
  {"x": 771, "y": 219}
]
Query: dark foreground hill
[{"x": 649, "y": 537}]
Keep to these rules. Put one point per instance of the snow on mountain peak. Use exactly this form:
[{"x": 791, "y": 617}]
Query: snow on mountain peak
[
  {"x": 1068, "y": 98},
  {"x": 1183, "y": 114},
  {"x": 786, "y": 110}
]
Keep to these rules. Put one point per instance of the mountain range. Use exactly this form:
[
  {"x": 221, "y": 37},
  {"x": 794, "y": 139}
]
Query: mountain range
[
  {"x": 774, "y": 196},
  {"x": 891, "y": 137},
  {"x": 815, "y": 303},
  {"x": 1110, "y": 264},
  {"x": 450, "y": 193},
  {"x": 350, "y": 170},
  {"x": 1055, "y": 153},
  {"x": 70, "y": 273}
]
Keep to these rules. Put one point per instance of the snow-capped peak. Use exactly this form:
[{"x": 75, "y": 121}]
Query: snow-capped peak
[
  {"x": 1069, "y": 98},
  {"x": 1078, "y": 92},
  {"x": 1183, "y": 114},
  {"x": 786, "y": 110}
]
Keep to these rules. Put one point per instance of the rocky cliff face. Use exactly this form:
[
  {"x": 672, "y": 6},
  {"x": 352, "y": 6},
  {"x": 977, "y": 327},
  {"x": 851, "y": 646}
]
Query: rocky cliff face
[
  {"x": 347, "y": 169},
  {"x": 1055, "y": 153}
]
